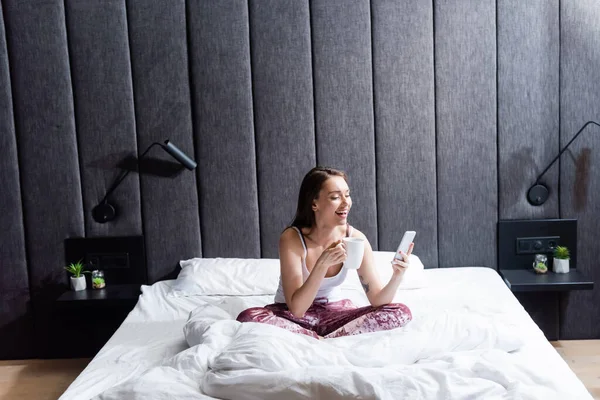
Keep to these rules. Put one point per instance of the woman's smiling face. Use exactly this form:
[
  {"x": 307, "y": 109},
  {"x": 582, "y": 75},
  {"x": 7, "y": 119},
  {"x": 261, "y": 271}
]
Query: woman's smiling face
[{"x": 334, "y": 202}]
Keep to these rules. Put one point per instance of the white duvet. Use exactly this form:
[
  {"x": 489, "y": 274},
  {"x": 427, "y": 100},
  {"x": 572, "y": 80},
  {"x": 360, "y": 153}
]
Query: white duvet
[
  {"x": 471, "y": 351},
  {"x": 429, "y": 358},
  {"x": 469, "y": 339}
]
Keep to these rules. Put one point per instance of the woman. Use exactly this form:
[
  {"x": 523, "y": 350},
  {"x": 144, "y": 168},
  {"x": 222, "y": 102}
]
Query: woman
[{"x": 311, "y": 254}]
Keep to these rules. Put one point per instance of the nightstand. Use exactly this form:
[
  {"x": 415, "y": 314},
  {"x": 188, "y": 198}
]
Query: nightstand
[
  {"x": 540, "y": 294},
  {"x": 526, "y": 280},
  {"x": 85, "y": 320}
]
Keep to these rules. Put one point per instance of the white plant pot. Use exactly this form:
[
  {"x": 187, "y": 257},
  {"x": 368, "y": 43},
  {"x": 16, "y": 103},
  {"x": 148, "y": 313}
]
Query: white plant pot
[
  {"x": 78, "y": 283},
  {"x": 560, "y": 266}
]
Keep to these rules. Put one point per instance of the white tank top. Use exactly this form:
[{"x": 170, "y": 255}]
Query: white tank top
[{"x": 329, "y": 289}]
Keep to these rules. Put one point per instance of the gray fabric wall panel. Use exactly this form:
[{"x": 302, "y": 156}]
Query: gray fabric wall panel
[
  {"x": 15, "y": 324},
  {"x": 223, "y": 127},
  {"x": 101, "y": 74},
  {"x": 283, "y": 110},
  {"x": 580, "y": 177},
  {"x": 465, "y": 76},
  {"x": 343, "y": 82},
  {"x": 405, "y": 124},
  {"x": 162, "y": 109},
  {"x": 46, "y": 141},
  {"x": 528, "y": 106}
]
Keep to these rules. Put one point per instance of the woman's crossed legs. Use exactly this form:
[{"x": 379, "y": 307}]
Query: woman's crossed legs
[{"x": 331, "y": 319}]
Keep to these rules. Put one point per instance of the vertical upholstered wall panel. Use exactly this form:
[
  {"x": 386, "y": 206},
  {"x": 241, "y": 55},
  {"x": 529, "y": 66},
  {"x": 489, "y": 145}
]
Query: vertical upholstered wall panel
[
  {"x": 343, "y": 86},
  {"x": 158, "y": 41},
  {"x": 223, "y": 127},
  {"x": 405, "y": 124},
  {"x": 465, "y": 79},
  {"x": 104, "y": 114},
  {"x": 528, "y": 106},
  {"x": 47, "y": 150},
  {"x": 283, "y": 109},
  {"x": 580, "y": 176},
  {"x": 16, "y": 326},
  {"x": 46, "y": 141}
]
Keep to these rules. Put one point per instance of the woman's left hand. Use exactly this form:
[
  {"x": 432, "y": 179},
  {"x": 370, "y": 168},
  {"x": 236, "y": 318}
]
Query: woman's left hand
[{"x": 400, "y": 266}]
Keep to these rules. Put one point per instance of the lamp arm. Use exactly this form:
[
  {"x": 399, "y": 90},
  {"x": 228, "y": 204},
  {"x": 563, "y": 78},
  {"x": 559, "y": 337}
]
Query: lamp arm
[
  {"x": 564, "y": 149},
  {"x": 124, "y": 175}
]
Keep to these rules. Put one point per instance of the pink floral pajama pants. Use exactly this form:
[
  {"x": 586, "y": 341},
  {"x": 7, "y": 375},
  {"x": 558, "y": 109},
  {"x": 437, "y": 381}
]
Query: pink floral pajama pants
[{"x": 331, "y": 319}]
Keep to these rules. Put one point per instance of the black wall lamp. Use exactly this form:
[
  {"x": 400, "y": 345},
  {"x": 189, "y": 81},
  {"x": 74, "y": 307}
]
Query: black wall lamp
[
  {"x": 538, "y": 192},
  {"x": 105, "y": 211}
]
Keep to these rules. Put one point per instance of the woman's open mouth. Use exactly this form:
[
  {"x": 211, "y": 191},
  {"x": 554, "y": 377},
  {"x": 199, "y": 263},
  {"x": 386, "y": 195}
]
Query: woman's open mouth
[{"x": 342, "y": 214}]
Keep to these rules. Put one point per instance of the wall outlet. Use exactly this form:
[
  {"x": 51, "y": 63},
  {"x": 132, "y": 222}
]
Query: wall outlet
[{"x": 534, "y": 245}]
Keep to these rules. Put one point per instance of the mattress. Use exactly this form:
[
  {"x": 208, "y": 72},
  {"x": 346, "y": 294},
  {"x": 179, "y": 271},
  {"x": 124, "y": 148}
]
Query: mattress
[{"x": 469, "y": 338}]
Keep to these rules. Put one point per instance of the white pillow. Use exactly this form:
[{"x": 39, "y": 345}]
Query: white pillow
[
  {"x": 414, "y": 277},
  {"x": 226, "y": 277},
  {"x": 248, "y": 276}
]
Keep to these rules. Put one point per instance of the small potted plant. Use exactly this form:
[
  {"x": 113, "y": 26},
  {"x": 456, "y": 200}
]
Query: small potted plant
[
  {"x": 560, "y": 264},
  {"x": 78, "y": 279}
]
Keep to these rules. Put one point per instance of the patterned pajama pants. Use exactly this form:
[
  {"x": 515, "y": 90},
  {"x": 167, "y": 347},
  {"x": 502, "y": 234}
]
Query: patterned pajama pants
[{"x": 331, "y": 319}]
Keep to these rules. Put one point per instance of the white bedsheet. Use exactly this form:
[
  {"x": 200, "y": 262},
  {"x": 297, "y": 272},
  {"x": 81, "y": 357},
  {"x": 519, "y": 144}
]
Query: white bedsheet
[{"x": 470, "y": 338}]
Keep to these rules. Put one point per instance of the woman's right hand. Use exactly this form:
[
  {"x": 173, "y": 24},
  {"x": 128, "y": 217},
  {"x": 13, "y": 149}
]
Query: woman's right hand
[{"x": 334, "y": 254}]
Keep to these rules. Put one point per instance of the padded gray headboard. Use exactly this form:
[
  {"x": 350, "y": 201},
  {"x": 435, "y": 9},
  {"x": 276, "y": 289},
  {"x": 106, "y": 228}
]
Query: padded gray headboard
[{"x": 441, "y": 112}]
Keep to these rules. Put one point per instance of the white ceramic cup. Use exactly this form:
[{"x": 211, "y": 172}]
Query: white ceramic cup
[{"x": 355, "y": 249}]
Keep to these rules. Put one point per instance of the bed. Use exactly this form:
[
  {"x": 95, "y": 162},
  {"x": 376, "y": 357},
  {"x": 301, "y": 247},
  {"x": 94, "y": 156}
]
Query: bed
[{"x": 469, "y": 339}]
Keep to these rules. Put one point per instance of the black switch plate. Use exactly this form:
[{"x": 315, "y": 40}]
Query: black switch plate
[
  {"x": 109, "y": 260},
  {"x": 122, "y": 258},
  {"x": 537, "y": 245},
  {"x": 520, "y": 240}
]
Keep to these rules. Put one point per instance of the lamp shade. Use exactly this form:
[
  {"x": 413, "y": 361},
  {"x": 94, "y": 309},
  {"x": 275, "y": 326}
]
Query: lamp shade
[{"x": 179, "y": 155}]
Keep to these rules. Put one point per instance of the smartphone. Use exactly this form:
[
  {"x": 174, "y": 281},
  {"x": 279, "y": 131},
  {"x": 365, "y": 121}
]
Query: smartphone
[{"x": 407, "y": 239}]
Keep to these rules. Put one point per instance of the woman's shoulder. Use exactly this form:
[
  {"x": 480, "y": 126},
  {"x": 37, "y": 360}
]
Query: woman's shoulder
[
  {"x": 289, "y": 232},
  {"x": 290, "y": 238},
  {"x": 356, "y": 233}
]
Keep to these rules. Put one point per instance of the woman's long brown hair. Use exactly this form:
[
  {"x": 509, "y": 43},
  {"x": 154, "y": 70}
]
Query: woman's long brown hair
[{"x": 309, "y": 191}]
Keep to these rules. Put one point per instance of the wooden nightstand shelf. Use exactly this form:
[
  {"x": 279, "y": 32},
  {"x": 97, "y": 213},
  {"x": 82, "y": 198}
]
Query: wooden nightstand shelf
[
  {"x": 526, "y": 280},
  {"x": 119, "y": 295},
  {"x": 540, "y": 294},
  {"x": 85, "y": 320}
]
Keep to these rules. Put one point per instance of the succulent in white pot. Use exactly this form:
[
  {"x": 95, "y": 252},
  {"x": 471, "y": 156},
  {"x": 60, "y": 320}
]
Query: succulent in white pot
[
  {"x": 78, "y": 279},
  {"x": 560, "y": 264}
]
